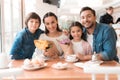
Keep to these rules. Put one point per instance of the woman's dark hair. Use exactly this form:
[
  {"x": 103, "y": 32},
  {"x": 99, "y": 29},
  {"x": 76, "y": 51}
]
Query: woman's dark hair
[
  {"x": 78, "y": 24},
  {"x": 32, "y": 15},
  {"x": 88, "y": 8},
  {"x": 49, "y": 14}
]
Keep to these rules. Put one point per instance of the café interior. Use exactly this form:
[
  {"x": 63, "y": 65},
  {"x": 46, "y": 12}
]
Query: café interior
[{"x": 12, "y": 18}]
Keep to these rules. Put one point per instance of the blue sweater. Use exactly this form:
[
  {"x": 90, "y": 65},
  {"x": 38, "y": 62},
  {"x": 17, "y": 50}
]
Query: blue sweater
[
  {"x": 23, "y": 45},
  {"x": 104, "y": 41}
]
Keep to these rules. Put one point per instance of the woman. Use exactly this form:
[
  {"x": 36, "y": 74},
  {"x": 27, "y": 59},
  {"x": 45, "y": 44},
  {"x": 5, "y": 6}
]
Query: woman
[
  {"x": 23, "y": 45},
  {"x": 52, "y": 33}
]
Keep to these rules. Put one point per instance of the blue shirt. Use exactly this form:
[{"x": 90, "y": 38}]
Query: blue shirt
[
  {"x": 104, "y": 41},
  {"x": 23, "y": 45}
]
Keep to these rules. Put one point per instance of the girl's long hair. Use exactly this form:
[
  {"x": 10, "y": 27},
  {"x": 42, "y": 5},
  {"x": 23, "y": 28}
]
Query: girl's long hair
[{"x": 78, "y": 24}]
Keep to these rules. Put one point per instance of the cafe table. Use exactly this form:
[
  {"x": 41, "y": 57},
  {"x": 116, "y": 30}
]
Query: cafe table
[{"x": 48, "y": 73}]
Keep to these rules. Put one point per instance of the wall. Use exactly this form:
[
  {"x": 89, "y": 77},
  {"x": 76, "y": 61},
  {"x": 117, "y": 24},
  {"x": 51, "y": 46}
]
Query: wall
[
  {"x": 116, "y": 13},
  {"x": 39, "y": 7},
  {"x": 43, "y": 8}
]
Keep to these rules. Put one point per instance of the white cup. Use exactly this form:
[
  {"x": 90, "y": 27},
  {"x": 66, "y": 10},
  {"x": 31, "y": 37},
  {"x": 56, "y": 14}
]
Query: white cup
[
  {"x": 94, "y": 57},
  {"x": 3, "y": 60}
]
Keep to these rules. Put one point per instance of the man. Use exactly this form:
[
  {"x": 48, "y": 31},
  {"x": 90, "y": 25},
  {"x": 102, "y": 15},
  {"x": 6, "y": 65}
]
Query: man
[
  {"x": 107, "y": 17},
  {"x": 101, "y": 37}
]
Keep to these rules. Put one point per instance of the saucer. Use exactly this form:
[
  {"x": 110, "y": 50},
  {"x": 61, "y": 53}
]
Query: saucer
[
  {"x": 34, "y": 67},
  {"x": 70, "y": 60},
  {"x": 97, "y": 62},
  {"x": 79, "y": 64},
  {"x": 60, "y": 66}
]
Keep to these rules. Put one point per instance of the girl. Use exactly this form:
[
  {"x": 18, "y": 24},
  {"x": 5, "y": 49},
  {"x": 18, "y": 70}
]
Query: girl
[
  {"x": 23, "y": 45},
  {"x": 80, "y": 47}
]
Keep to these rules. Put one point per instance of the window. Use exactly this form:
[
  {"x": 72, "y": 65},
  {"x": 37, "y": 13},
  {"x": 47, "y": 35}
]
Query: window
[
  {"x": 0, "y": 26},
  {"x": 11, "y": 22}
]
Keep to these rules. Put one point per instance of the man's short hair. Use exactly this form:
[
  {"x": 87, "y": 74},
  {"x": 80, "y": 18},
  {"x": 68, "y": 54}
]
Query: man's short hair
[
  {"x": 88, "y": 8},
  {"x": 109, "y": 8}
]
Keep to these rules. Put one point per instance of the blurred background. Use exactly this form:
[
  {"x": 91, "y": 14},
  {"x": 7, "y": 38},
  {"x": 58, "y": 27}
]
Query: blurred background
[{"x": 13, "y": 12}]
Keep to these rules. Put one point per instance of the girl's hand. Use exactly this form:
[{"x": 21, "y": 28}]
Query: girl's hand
[
  {"x": 80, "y": 56},
  {"x": 84, "y": 57},
  {"x": 66, "y": 32}
]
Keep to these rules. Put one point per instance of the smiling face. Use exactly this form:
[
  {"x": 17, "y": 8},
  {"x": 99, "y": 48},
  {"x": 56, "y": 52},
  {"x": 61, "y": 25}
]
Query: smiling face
[
  {"x": 76, "y": 33},
  {"x": 51, "y": 24},
  {"x": 110, "y": 11},
  {"x": 33, "y": 25},
  {"x": 87, "y": 19}
]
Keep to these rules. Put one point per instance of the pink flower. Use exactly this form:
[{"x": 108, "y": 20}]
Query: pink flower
[{"x": 64, "y": 41}]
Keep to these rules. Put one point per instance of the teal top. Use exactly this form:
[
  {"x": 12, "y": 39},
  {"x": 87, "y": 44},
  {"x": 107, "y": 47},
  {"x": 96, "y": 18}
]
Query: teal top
[{"x": 23, "y": 45}]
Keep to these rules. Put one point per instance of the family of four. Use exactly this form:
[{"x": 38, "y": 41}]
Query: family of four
[{"x": 86, "y": 37}]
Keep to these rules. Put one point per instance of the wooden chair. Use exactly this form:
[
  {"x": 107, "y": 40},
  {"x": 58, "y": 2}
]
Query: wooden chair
[
  {"x": 102, "y": 70},
  {"x": 10, "y": 72}
]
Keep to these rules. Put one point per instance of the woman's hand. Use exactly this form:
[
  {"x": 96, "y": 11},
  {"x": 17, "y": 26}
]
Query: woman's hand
[{"x": 52, "y": 52}]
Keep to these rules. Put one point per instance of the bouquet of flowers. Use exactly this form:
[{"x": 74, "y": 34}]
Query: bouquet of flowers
[
  {"x": 65, "y": 41},
  {"x": 66, "y": 46}
]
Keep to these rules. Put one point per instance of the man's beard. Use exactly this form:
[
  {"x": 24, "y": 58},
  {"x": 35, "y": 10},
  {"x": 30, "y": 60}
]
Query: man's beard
[{"x": 90, "y": 26}]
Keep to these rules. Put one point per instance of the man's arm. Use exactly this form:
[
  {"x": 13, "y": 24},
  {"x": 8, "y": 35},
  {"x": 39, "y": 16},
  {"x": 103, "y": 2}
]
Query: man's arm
[{"x": 109, "y": 45}]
